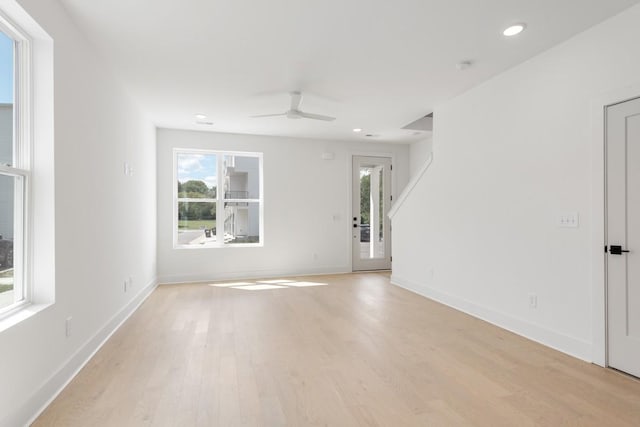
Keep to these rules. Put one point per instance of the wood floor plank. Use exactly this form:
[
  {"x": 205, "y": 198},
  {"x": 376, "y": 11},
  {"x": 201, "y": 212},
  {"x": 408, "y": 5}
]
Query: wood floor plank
[{"x": 338, "y": 350}]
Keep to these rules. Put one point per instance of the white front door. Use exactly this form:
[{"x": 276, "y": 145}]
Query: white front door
[
  {"x": 623, "y": 236},
  {"x": 371, "y": 229}
]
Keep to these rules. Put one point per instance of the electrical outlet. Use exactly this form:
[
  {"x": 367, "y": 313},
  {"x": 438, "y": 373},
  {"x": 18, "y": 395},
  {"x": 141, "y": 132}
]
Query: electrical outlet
[
  {"x": 67, "y": 326},
  {"x": 533, "y": 301},
  {"x": 127, "y": 169}
]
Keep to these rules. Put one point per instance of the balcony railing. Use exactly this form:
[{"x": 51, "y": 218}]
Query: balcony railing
[{"x": 236, "y": 194}]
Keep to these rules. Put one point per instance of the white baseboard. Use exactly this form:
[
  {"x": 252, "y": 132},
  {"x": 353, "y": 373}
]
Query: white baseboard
[
  {"x": 254, "y": 274},
  {"x": 570, "y": 345},
  {"x": 38, "y": 402}
]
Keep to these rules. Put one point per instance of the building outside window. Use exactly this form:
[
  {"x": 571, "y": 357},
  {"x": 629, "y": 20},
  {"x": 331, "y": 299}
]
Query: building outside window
[{"x": 218, "y": 199}]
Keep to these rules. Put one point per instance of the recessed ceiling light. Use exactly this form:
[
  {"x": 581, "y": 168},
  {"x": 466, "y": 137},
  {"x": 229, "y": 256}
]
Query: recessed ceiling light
[
  {"x": 356, "y": 130},
  {"x": 201, "y": 116},
  {"x": 514, "y": 30},
  {"x": 202, "y": 122}
]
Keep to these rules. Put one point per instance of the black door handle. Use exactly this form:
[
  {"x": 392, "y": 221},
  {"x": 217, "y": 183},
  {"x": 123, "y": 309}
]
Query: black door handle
[{"x": 617, "y": 250}]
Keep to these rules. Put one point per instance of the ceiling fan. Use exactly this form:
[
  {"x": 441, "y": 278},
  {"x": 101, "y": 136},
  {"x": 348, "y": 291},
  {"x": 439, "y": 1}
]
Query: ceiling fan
[{"x": 294, "y": 111}]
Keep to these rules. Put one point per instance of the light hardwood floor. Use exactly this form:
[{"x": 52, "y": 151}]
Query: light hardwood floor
[{"x": 354, "y": 352}]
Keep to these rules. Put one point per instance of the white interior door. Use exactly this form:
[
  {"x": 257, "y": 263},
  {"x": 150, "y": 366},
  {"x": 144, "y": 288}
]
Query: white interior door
[
  {"x": 623, "y": 236},
  {"x": 371, "y": 230}
]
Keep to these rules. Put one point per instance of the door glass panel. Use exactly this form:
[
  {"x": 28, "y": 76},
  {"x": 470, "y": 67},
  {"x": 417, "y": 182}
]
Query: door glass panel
[{"x": 372, "y": 218}]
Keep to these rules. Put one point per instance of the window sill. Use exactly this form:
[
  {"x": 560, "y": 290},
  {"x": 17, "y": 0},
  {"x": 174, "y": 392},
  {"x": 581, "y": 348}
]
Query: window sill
[
  {"x": 20, "y": 314},
  {"x": 232, "y": 245}
]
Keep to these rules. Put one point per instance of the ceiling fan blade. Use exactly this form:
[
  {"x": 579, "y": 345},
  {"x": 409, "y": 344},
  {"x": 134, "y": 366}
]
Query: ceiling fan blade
[
  {"x": 316, "y": 116},
  {"x": 296, "y": 99},
  {"x": 268, "y": 115}
]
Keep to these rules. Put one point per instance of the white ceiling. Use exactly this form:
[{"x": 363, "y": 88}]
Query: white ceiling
[{"x": 373, "y": 64}]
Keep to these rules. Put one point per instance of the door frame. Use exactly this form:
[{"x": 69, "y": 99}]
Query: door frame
[
  {"x": 358, "y": 262},
  {"x": 348, "y": 227},
  {"x": 598, "y": 214}
]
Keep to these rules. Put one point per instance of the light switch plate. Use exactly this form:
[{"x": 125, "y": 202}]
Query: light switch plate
[
  {"x": 533, "y": 300},
  {"x": 67, "y": 326},
  {"x": 569, "y": 220}
]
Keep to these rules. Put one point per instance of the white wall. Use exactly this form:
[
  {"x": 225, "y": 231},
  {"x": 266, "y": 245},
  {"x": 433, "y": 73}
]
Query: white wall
[
  {"x": 419, "y": 152},
  {"x": 479, "y": 231},
  {"x": 104, "y": 222},
  {"x": 302, "y": 192}
]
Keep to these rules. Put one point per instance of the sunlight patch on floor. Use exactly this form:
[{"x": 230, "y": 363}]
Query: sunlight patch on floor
[
  {"x": 230, "y": 285},
  {"x": 276, "y": 282},
  {"x": 258, "y": 287},
  {"x": 262, "y": 285},
  {"x": 306, "y": 284}
]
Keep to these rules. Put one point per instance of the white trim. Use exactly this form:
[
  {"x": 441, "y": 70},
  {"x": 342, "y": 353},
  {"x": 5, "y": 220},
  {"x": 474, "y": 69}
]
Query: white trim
[
  {"x": 174, "y": 198},
  {"x": 219, "y": 200},
  {"x": 11, "y": 29},
  {"x": 348, "y": 224},
  {"x": 349, "y": 168},
  {"x": 8, "y": 170},
  {"x": 19, "y": 313},
  {"x": 359, "y": 264},
  {"x": 216, "y": 245},
  {"x": 220, "y": 211},
  {"x": 51, "y": 388},
  {"x": 570, "y": 345},
  {"x": 598, "y": 238},
  {"x": 37, "y": 128},
  {"x": 390, "y": 155},
  {"x": 409, "y": 188},
  {"x": 21, "y": 163},
  {"x": 195, "y": 200}
]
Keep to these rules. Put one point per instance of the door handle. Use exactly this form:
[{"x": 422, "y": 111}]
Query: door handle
[{"x": 617, "y": 250}]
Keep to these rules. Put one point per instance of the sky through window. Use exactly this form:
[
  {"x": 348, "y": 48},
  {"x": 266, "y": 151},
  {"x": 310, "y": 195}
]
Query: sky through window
[
  {"x": 6, "y": 69},
  {"x": 197, "y": 167}
]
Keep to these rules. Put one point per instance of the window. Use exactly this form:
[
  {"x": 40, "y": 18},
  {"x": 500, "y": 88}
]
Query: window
[
  {"x": 218, "y": 199},
  {"x": 14, "y": 166}
]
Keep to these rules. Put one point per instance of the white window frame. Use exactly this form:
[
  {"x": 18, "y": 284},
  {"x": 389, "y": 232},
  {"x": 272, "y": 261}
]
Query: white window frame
[
  {"x": 20, "y": 169},
  {"x": 219, "y": 200}
]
